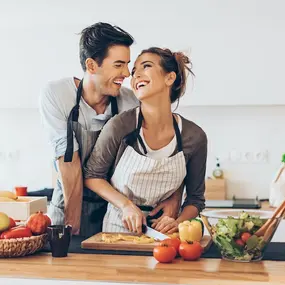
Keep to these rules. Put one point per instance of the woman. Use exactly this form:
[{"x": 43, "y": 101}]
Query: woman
[{"x": 146, "y": 154}]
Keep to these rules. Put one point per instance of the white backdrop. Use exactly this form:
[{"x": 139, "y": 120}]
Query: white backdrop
[{"x": 237, "y": 47}]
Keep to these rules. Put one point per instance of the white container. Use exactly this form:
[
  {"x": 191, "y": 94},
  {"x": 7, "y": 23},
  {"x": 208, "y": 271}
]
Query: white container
[
  {"x": 24, "y": 207},
  {"x": 277, "y": 186}
]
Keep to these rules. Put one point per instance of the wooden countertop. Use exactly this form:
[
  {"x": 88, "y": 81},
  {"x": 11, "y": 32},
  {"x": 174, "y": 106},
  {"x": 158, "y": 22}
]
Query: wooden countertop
[
  {"x": 118, "y": 268},
  {"x": 143, "y": 269}
]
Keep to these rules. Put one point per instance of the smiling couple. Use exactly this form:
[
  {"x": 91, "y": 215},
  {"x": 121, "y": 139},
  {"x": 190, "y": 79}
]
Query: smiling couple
[{"x": 123, "y": 157}]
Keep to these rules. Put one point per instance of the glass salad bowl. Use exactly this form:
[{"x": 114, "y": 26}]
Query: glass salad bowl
[{"x": 241, "y": 235}]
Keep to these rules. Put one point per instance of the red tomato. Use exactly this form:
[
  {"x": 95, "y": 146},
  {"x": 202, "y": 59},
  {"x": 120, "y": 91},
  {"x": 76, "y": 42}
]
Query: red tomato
[
  {"x": 175, "y": 242},
  {"x": 245, "y": 236},
  {"x": 164, "y": 253},
  {"x": 12, "y": 223},
  {"x": 190, "y": 250},
  {"x": 17, "y": 232},
  {"x": 239, "y": 242}
]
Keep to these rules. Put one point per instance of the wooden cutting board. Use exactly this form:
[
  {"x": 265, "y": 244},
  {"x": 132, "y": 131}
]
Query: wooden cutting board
[{"x": 95, "y": 242}]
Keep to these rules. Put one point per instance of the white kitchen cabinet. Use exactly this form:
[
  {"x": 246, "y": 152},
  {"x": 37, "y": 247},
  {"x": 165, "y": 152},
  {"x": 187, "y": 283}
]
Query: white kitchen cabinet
[{"x": 237, "y": 47}]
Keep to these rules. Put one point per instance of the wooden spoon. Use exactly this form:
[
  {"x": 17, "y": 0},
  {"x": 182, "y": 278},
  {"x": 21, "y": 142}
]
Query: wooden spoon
[
  {"x": 279, "y": 212},
  {"x": 205, "y": 221}
]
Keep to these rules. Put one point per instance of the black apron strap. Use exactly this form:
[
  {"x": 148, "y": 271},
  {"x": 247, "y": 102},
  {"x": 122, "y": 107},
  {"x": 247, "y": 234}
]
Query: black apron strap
[
  {"x": 73, "y": 117},
  {"x": 114, "y": 106},
  {"x": 140, "y": 120},
  {"x": 178, "y": 135},
  {"x": 176, "y": 129}
]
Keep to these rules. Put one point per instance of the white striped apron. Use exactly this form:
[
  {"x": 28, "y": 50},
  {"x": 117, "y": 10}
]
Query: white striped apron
[{"x": 144, "y": 180}]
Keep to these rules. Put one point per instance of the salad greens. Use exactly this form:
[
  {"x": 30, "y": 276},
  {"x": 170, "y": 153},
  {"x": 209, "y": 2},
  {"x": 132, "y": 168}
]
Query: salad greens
[{"x": 235, "y": 237}]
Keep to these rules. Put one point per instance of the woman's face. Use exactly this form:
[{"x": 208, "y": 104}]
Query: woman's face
[{"x": 148, "y": 77}]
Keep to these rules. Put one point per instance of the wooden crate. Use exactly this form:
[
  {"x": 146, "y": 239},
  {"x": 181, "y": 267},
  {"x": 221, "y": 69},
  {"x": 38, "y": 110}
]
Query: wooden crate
[
  {"x": 22, "y": 208},
  {"x": 215, "y": 189}
]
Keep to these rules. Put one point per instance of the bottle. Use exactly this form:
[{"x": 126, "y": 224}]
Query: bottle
[
  {"x": 277, "y": 187},
  {"x": 281, "y": 168},
  {"x": 218, "y": 172}
]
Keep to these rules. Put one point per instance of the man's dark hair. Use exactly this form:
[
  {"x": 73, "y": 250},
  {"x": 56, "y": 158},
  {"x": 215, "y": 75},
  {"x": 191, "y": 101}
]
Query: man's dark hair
[{"x": 96, "y": 40}]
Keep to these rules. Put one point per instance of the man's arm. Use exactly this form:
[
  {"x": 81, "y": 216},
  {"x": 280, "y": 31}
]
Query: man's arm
[
  {"x": 54, "y": 120},
  {"x": 72, "y": 182},
  {"x": 171, "y": 205}
]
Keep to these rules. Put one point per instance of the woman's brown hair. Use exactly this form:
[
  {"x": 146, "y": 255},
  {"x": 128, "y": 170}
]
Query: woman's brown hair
[{"x": 177, "y": 62}]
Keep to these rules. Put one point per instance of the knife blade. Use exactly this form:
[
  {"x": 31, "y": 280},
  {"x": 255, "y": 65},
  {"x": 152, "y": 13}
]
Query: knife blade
[{"x": 150, "y": 232}]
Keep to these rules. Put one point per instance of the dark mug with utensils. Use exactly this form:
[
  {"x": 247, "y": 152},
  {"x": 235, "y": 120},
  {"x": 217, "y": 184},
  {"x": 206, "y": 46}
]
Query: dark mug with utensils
[{"x": 59, "y": 237}]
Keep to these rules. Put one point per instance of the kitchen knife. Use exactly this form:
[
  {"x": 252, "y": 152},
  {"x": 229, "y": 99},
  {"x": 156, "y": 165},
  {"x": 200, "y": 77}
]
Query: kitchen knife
[{"x": 150, "y": 232}]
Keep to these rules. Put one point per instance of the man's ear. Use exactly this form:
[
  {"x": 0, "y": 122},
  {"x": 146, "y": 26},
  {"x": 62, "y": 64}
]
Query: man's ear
[
  {"x": 91, "y": 65},
  {"x": 170, "y": 78}
]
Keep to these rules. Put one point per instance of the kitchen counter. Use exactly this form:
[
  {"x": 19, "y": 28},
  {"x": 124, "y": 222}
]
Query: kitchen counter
[
  {"x": 122, "y": 269},
  {"x": 128, "y": 269}
]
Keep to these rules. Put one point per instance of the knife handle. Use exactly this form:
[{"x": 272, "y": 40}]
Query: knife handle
[{"x": 143, "y": 228}]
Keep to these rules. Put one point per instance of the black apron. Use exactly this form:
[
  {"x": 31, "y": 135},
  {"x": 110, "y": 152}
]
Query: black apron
[{"x": 93, "y": 206}]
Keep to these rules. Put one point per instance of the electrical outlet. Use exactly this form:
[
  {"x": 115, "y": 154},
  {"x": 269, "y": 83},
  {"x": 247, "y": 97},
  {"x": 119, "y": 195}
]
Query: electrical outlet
[
  {"x": 260, "y": 156},
  {"x": 235, "y": 156},
  {"x": 11, "y": 156},
  {"x": 248, "y": 156},
  {"x": 2, "y": 157}
]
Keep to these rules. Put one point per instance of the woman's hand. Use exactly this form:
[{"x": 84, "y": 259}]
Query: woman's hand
[
  {"x": 165, "y": 225},
  {"x": 133, "y": 218}
]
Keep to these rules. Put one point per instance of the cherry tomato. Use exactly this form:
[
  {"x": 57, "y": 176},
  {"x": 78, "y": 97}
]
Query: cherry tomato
[
  {"x": 164, "y": 253},
  {"x": 12, "y": 223},
  {"x": 239, "y": 242},
  {"x": 245, "y": 236},
  {"x": 175, "y": 242},
  {"x": 190, "y": 250}
]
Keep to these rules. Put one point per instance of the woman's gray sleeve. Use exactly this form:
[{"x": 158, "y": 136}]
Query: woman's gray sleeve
[
  {"x": 104, "y": 151},
  {"x": 195, "y": 178}
]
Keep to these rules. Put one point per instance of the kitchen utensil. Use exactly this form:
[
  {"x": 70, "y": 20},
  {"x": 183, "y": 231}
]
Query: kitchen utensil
[
  {"x": 59, "y": 238},
  {"x": 150, "y": 232},
  {"x": 21, "y": 190},
  {"x": 279, "y": 212},
  {"x": 227, "y": 227},
  {"x": 96, "y": 242}
]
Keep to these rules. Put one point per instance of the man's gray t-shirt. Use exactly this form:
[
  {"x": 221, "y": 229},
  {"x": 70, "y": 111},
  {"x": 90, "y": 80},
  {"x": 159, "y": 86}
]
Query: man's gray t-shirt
[{"x": 57, "y": 100}]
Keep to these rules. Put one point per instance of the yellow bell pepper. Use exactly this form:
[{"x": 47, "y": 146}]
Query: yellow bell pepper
[{"x": 191, "y": 230}]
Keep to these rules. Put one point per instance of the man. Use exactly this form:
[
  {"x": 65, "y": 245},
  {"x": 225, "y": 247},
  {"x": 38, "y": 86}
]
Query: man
[{"x": 73, "y": 111}]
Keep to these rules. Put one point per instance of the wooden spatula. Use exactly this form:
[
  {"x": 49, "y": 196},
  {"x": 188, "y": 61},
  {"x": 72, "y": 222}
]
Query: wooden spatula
[{"x": 279, "y": 212}]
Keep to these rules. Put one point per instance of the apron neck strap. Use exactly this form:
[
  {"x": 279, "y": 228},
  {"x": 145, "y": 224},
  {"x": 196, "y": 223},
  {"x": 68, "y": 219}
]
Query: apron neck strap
[
  {"x": 176, "y": 129},
  {"x": 178, "y": 135},
  {"x": 73, "y": 117},
  {"x": 114, "y": 106}
]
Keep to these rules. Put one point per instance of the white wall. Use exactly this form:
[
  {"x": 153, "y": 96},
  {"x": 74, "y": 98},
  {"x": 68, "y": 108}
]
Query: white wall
[
  {"x": 237, "y": 47},
  {"x": 242, "y": 128},
  {"x": 25, "y": 157}
]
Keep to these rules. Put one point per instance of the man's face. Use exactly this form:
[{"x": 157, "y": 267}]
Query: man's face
[{"x": 113, "y": 70}]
